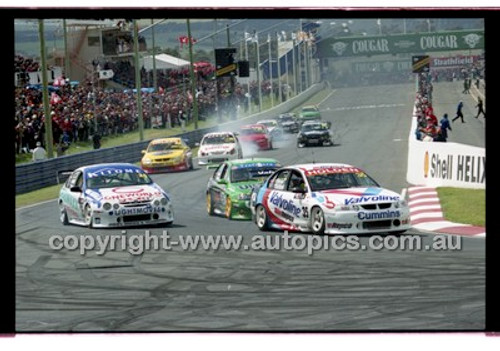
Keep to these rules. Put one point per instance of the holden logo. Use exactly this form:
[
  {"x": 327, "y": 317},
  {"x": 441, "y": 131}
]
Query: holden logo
[
  {"x": 339, "y": 47},
  {"x": 472, "y": 40}
]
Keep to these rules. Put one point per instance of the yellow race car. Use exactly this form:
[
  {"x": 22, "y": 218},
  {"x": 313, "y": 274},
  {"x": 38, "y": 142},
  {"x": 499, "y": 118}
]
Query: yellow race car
[{"x": 167, "y": 154}]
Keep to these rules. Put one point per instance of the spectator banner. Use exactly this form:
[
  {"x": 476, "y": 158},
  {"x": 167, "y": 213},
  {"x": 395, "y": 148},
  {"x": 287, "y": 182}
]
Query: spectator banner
[
  {"x": 403, "y": 43},
  {"x": 445, "y": 164}
]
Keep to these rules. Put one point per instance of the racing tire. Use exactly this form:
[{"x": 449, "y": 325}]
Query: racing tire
[
  {"x": 191, "y": 166},
  {"x": 63, "y": 215},
  {"x": 210, "y": 204},
  {"x": 317, "y": 221},
  {"x": 88, "y": 216},
  {"x": 229, "y": 208},
  {"x": 261, "y": 218},
  {"x": 270, "y": 145}
]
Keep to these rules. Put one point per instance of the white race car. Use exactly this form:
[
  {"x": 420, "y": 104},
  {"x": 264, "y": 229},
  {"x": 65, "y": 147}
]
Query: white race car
[
  {"x": 273, "y": 127},
  {"x": 328, "y": 198},
  {"x": 113, "y": 195},
  {"x": 219, "y": 147}
]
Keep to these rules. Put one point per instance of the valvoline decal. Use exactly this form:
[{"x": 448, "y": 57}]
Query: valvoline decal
[{"x": 286, "y": 205}]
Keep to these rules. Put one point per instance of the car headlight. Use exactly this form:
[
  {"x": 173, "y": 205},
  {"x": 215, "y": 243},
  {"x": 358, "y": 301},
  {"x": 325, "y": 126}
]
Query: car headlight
[
  {"x": 147, "y": 161},
  {"x": 244, "y": 197},
  {"x": 177, "y": 159},
  {"x": 116, "y": 206},
  {"x": 400, "y": 203},
  {"x": 164, "y": 201},
  {"x": 107, "y": 206},
  {"x": 156, "y": 202}
]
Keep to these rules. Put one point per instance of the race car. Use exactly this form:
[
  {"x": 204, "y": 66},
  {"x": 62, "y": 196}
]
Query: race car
[
  {"x": 328, "y": 198},
  {"x": 273, "y": 128},
  {"x": 167, "y": 154},
  {"x": 229, "y": 189},
  {"x": 218, "y": 147},
  {"x": 256, "y": 134},
  {"x": 315, "y": 133},
  {"x": 308, "y": 113},
  {"x": 113, "y": 195},
  {"x": 288, "y": 123}
]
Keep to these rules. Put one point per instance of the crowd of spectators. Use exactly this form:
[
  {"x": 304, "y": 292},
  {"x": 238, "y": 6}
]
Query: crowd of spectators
[
  {"x": 80, "y": 112},
  {"x": 428, "y": 127},
  {"x": 25, "y": 64}
]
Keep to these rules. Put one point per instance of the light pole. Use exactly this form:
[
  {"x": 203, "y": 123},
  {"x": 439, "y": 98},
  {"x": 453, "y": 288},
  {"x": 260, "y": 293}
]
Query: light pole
[
  {"x": 256, "y": 40},
  {"x": 45, "y": 92},
  {"x": 140, "y": 121},
  {"x": 270, "y": 68},
  {"x": 193, "y": 78}
]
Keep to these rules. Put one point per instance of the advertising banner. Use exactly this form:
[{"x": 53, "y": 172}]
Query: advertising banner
[
  {"x": 401, "y": 43},
  {"x": 445, "y": 164}
]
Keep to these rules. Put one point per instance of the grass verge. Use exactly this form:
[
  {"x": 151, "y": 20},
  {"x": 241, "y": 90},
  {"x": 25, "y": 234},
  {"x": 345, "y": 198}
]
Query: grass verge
[{"x": 467, "y": 206}]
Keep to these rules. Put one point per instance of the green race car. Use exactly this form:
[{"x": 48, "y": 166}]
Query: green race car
[
  {"x": 309, "y": 113},
  {"x": 230, "y": 187}
]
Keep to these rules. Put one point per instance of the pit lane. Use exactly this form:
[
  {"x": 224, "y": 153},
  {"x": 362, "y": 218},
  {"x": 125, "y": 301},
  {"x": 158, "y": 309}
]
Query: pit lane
[{"x": 259, "y": 290}]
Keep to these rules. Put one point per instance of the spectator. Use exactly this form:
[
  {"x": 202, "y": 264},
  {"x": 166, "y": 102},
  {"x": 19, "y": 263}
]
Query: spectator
[
  {"x": 459, "y": 112},
  {"x": 96, "y": 140},
  {"x": 39, "y": 152},
  {"x": 444, "y": 126},
  {"x": 480, "y": 108}
]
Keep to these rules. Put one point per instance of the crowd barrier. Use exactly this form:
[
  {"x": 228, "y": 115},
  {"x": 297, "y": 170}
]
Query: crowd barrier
[
  {"x": 445, "y": 164},
  {"x": 33, "y": 176}
]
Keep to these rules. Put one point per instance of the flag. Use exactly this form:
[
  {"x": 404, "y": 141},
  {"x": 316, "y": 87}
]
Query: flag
[
  {"x": 184, "y": 39},
  {"x": 106, "y": 74},
  {"x": 55, "y": 99}
]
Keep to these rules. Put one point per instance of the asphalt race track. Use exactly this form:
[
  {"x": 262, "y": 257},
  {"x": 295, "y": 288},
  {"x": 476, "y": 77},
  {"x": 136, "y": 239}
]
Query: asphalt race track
[{"x": 251, "y": 290}]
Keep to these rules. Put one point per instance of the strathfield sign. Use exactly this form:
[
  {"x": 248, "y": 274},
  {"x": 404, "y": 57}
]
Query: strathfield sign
[{"x": 407, "y": 43}]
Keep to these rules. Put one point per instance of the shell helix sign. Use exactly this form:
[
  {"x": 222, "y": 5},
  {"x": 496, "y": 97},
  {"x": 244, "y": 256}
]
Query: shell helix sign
[{"x": 454, "y": 169}]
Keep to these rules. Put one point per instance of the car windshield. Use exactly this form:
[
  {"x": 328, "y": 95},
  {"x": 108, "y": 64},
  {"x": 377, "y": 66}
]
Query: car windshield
[
  {"x": 309, "y": 109},
  {"x": 269, "y": 123},
  {"x": 327, "y": 180},
  {"x": 110, "y": 179},
  {"x": 286, "y": 118},
  {"x": 311, "y": 127},
  {"x": 164, "y": 146},
  {"x": 246, "y": 173},
  {"x": 251, "y": 131},
  {"x": 217, "y": 139}
]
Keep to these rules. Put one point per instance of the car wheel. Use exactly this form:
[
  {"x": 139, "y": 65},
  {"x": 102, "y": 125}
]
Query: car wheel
[
  {"x": 191, "y": 166},
  {"x": 229, "y": 208},
  {"x": 88, "y": 215},
  {"x": 270, "y": 145},
  {"x": 317, "y": 221},
  {"x": 261, "y": 217},
  {"x": 210, "y": 204},
  {"x": 63, "y": 216}
]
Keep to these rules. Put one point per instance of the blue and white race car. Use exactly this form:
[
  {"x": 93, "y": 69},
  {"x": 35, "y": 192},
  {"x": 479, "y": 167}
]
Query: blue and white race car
[
  {"x": 113, "y": 195},
  {"x": 327, "y": 198}
]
